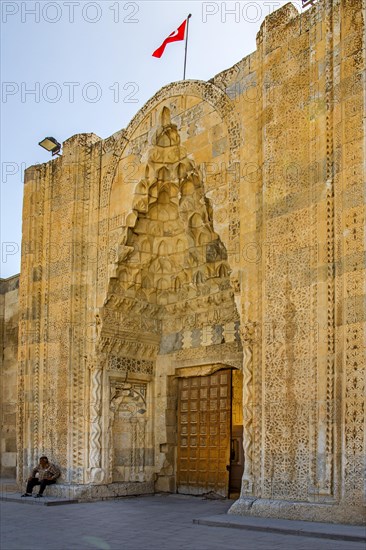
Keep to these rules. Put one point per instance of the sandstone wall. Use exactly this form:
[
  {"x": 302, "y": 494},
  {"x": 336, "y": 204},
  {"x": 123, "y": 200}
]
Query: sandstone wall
[
  {"x": 56, "y": 211},
  {"x": 276, "y": 146},
  {"x": 310, "y": 226},
  {"x": 9, "y": 351}
]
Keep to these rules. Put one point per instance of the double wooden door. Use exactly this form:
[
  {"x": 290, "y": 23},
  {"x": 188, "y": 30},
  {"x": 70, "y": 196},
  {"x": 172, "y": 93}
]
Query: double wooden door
[{"x": 204, "y": 429}]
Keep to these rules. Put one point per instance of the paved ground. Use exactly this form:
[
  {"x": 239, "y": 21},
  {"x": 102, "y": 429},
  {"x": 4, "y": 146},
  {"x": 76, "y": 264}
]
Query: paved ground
[{"x": 158, "y": 522}]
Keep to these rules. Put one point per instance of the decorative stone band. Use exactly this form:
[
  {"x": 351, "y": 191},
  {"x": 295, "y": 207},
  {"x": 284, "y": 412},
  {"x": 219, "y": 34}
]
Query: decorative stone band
[
  {"x": 248, "y": 336},
  {"x": 197, "y": 337},
  {"x": 123, "y": 364},
  {"x": 247, "y": 483},
  {"x": 96, "y": 473}
]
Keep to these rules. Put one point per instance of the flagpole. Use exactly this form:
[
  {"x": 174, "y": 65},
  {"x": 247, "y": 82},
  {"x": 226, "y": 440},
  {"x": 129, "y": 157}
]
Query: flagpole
[{"x": 185, "y": 49}]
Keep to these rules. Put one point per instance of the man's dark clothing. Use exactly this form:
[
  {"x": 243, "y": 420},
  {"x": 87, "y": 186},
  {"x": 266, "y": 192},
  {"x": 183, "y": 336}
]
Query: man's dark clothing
[
  {"x": 44, "y": 474},
  {"x": 35, "y": 481},
  {"x": 49, "y": 471}
]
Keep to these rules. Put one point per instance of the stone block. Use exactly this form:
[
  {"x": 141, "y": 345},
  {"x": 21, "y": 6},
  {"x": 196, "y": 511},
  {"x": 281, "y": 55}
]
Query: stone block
[{"x": 9, "y": 460}]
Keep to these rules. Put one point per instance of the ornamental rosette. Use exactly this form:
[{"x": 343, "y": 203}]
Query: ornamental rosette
[{"x": 248, "y": 332}]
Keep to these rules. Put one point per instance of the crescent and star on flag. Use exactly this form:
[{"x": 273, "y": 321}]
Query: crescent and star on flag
[
  {"x": 179, "y": 34},
  {"x": 182, "y": 32}
]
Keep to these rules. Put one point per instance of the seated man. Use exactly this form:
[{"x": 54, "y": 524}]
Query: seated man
[{"x": 44, "y": 474}]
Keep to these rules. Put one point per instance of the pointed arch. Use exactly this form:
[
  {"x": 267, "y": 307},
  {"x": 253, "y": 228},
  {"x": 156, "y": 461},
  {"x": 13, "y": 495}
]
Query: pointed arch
[
  {"x": 145, "y": 246},
  {"x": 198, "y": 278},
  {"x": 164, "y": 174},
  {"x": 204, "y": 237},
  {"x": 165, "y": 116},
  {"x": 180, "y": 246},
  {"x": 223, "y": 271},
  {"x": 195, "y": 221},
  {"x": 163, "y": 248}
]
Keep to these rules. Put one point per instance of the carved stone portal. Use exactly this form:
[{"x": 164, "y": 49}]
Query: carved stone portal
[{"x": 169, "y": 290}]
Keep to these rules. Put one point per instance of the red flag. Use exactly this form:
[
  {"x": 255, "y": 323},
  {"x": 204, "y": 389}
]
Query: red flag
[{"x": 173, "y": 37}]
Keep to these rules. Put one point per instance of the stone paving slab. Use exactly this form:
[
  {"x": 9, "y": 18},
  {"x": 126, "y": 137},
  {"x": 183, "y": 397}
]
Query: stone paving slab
[
  {"x": 44, "y": 501},
  {"x": 155, "y": 522},
  {"x": 290, "y": 527}
]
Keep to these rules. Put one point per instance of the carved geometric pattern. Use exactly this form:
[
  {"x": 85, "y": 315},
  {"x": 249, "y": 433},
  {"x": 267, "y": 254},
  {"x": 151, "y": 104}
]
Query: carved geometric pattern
[
  {"x": 354, "y": 414},
  {"x": 79, "y": 319},
  {"x": 20, "y": 421},
  {"x": 314, "y": 260},
  {"x": 215, "y": 352},
  {"x": 120, "y": 347},
  {"x": 248, "y": 339},
  {"x": 128, "y": 364},
  {"x": 95, "y": 418},
  {"x": 286, "y": 297},
  {"x": 326, "y": 481},
  {"x": 205, "y": 336},
  {"x": 237, "y": 398},
  {"x": 39, "y": 292}
]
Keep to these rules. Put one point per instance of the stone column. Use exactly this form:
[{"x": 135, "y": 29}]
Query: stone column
[
  {"x": 96, "y": 473},
  {"x": 247, "y": 337}
]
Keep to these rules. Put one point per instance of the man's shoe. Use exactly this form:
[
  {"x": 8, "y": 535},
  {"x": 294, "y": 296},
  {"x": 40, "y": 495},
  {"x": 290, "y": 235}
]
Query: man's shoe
[
  {"x": 38, "y": 496},
  {"x": 27, "y": 495}
]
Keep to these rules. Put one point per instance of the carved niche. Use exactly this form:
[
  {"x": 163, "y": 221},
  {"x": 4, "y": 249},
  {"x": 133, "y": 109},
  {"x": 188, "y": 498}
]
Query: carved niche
[
  {"x": 169, "y": 270},
  {"x": 128, "y": 419}
]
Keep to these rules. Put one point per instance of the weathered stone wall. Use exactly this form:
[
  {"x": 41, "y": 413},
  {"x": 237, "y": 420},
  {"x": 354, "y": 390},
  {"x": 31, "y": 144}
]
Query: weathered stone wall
[
  {"x": 9, "y": 351},
  {"x": 121, "y": 287},
  {"x": 52, "y": 373},
  {"x": 310, "y": 223}
]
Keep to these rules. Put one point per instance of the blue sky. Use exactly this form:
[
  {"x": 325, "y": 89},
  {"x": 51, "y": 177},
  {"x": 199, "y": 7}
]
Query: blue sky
[{"x": 70, "y": 67}]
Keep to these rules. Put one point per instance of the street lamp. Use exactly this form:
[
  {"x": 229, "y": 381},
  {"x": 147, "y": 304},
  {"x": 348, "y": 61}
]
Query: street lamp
[{"x": 51, "y": 144}]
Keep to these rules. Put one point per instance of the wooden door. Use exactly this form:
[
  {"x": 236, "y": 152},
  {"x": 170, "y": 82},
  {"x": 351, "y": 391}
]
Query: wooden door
[{"x": 204, "y": 423}]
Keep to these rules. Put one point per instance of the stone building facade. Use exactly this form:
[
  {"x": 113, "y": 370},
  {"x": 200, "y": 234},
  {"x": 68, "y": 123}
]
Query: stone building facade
[{"x": 191, "y": 301}]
